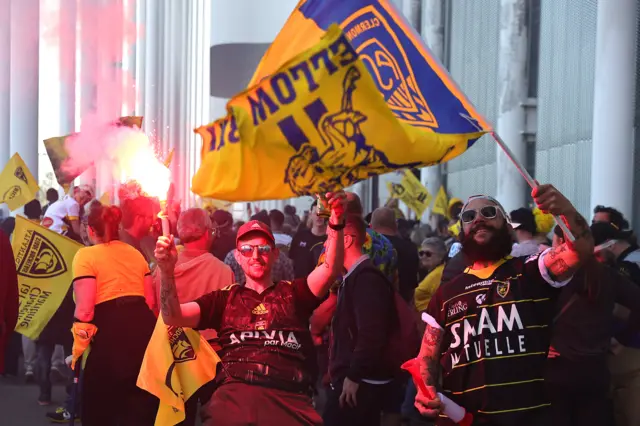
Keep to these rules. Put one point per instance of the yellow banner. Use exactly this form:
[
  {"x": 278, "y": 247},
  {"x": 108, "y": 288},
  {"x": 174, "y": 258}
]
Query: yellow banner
[
  {"x": 319, "y": 123},
  {"x": 411, "y": 192},
  {"x": 441, "y": 204},
  {"x": 17, "y": 184},
  {"x": 177, "y": 362},
  {"x": 43, "y": 261}
]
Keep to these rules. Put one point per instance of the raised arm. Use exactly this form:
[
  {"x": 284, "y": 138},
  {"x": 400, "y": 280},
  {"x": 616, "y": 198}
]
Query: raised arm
[
  {"x": 321, "y": 278},
  {"x": 563, "y": 261},
  {"x": 173, "y": 313}
]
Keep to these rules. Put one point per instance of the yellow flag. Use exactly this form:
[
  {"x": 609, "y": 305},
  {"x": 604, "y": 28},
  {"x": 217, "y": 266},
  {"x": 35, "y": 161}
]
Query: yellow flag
[
  {"x": 131, "y": 121},
  {"x": 411, "y": 192},
  {"x": 43, "y": 261},
  {"x": 178, "y": 361},
  {"x": 441, "y": 205},
  {"x": 17, "y": 184},
  {"x": 317, "y": 124}
]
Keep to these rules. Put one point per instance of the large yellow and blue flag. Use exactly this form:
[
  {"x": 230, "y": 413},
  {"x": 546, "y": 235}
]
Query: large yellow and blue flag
[{"x": 330, "y": 105}]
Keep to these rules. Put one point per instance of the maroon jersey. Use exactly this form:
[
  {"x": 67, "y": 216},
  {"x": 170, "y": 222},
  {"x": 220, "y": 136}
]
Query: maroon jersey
[{"x": 264, "y": 337}]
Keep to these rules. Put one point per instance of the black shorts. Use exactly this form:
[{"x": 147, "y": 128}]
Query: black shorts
[{"x": 239, "y": 404}]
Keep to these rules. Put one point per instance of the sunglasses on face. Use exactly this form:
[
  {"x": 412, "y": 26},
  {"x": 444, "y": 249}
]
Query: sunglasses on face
[
  {"x": 424, "y": 253},
  {"x": 247, "y": 249},
  {"x": 487, "y": 212}
]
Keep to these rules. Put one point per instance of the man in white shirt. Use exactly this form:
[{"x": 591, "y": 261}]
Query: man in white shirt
[{"x": 63, "y": 216}]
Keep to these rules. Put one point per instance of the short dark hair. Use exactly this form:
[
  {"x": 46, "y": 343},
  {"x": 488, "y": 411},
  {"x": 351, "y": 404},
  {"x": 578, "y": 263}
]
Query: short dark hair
[
  {"x": 52, "y": 195},
  {"x": 33, "y": 209},
  {"x": 615, "y": 216},
  {"x": 263, "y": 217},
  {"x": 277, "y": 218},
  {"x": 525, "y": 218},
  {"x": 355, "y": 225},
  {"x": 132, "y": 208}
]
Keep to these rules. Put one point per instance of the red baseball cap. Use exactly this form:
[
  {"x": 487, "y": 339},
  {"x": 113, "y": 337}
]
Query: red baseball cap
[{"x": 255, "y": 226}]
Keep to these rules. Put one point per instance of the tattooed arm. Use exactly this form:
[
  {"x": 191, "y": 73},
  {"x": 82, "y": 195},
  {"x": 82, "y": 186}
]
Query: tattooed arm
[
  {"x": 173, "y": 313},
  {"x": 321, "y": 278},
  {"x": 429, "y": 361},
  {"x": 563, "y": 261}
]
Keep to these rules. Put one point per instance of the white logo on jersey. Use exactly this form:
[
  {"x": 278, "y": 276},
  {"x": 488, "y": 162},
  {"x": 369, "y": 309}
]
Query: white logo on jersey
[
  {"x": 481, "y": 298},
  {"x": 464, "y": 334},
  {"x": 271, "y": 338},
  {"x": 457, "y": 308}
]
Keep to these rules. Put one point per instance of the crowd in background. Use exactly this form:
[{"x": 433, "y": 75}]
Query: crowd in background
[{"x": 416, "y": 258}]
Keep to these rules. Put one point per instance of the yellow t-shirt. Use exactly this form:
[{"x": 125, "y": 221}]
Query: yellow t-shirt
[
  {"x": 118, "y": 268},
  {"x": 427, "y": 288}
]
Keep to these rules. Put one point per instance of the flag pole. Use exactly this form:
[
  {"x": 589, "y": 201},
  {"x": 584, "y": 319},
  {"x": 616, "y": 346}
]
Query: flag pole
[{"x": 530, "y": 181}]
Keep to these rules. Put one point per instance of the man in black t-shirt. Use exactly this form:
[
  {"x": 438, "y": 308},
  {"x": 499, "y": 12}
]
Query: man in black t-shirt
[
  {"x": 267, "y": 352},
  {"x": 487, "y": 329},
  {"x": 307, "y": 244}
]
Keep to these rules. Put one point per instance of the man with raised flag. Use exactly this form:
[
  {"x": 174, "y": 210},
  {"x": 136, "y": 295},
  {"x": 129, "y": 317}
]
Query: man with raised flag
[
  {"x": 487, "y": 330},
  {"x": 266, "y": 348}
]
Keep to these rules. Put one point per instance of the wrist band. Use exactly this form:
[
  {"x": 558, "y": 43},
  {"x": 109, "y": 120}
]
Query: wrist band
[{"x": 337, "y": 227}]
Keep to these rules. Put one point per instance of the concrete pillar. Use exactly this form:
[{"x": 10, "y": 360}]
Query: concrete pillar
[
  {"x": 24, "y": 65},
  {"x": 89, "y": 12},
  {"x": 613, "y": 109},
  {"x": 68, "y": 28},
  {"x": 512, "y": 74},
  {"x": 432, "y": 32},
  {"x": 5, "y": 80}
]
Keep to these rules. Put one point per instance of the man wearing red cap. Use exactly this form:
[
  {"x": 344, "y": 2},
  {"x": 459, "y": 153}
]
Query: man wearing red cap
[{"x": 267, "y": 352}]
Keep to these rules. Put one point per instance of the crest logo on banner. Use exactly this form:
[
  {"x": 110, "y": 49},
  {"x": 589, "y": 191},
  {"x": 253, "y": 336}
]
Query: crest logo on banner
[
  {"x": 389, "y": 65},
  {"x": 42, "y": 259}
]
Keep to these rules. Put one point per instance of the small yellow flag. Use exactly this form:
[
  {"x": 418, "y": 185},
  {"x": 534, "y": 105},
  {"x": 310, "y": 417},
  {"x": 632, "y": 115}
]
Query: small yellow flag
[
  {"x": 43, "y": 261},
  {"x": 178, "y": 361},
  {"x": 17, "y": 184},
  {"x": 441, "y": 205},
  {"x": 411, "y": 192}
]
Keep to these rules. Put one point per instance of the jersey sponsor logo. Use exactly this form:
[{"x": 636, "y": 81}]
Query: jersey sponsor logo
[
  {"x": 12, "y": 193},
  {"x": 47, "y": 222},
  {"x": 480, "y": 299},
  {"x": 260, "y": 310},
  {"x": 270, "y": 338},
  {"x": 484, "y": 339},
  {"x": 303, "y": 244},
  {"x": 42, "y": 259},
  {"x": 503, "y": 288},
  {"x": 457, "y": 308},
  {"x": 484, "y": 283},
  {"x": 19, "y": 173}
]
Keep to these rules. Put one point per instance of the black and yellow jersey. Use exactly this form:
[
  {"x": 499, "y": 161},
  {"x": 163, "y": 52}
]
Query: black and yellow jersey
[{"x": 496, "y": 323}]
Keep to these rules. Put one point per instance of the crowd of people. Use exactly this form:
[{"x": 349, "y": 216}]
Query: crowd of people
[{"x": 312, "y": 317}]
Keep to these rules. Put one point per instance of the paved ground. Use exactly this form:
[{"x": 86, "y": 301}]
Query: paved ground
[{"x": 19, "y": 406}]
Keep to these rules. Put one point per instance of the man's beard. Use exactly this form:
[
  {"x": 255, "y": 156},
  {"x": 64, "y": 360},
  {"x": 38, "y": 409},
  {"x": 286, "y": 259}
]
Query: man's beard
[{"x": 499, "y": 245}]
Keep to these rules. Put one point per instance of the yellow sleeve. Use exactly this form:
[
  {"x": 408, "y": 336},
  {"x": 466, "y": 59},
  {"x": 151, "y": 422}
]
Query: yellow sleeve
[
  {"x": 427, "y": 288},
  {"x": 83, "y": 266}
]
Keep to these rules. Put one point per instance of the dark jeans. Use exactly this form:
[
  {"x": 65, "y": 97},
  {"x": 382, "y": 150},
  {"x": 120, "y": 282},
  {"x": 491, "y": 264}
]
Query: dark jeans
[
  {"x": 44, "y": 352},
  {"x": 203, "y": 395},
  {"x": 578, "y": 392},
  {"x": 370, "y": 402},
  {"x": 409, "y": 410},
  {"x": 12, "y": 354}
]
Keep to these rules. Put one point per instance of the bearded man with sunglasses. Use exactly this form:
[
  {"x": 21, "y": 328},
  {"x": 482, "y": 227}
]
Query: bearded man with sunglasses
[
  {"x": 268, "y": 358},
  {"x": 487, "y": 329}
]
